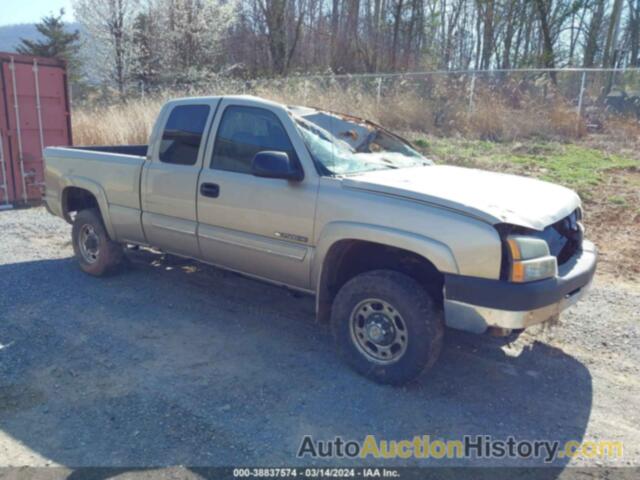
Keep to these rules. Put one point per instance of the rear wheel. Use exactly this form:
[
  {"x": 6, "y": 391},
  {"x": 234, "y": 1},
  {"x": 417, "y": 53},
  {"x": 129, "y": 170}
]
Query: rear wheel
[
  {"x": 387, "y": 327},
  {"x": 97, "y": 254}
]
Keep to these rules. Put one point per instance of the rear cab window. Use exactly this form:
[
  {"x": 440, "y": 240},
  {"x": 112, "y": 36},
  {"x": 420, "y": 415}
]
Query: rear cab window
[{"x": 182, "y": 135}]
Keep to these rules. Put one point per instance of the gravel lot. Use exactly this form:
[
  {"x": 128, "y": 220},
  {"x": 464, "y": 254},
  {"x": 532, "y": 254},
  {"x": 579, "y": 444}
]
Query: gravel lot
[{"x": 175, "y": 363}]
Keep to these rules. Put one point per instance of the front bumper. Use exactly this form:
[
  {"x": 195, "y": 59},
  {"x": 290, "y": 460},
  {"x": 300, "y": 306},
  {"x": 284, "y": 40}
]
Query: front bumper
[{"x": 475, "y": 304}]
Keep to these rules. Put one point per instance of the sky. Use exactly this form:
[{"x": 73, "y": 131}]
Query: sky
[{"x": 30, "y": 11}]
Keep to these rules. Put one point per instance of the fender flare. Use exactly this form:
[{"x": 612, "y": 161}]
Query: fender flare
[
  {"x": 436, "y": 252},
  {"x": 96, "y": 190}
]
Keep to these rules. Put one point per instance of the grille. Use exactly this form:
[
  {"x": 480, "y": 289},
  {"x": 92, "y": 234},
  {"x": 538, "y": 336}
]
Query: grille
[{"x": 564, "y": 237}]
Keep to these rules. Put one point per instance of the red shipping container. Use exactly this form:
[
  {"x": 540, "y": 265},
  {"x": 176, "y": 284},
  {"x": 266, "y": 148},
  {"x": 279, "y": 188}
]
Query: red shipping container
[{"x": 34, "y": 114}]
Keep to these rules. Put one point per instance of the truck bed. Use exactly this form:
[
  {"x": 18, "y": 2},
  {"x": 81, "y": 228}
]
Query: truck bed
[{"x": 111, "y": 174}]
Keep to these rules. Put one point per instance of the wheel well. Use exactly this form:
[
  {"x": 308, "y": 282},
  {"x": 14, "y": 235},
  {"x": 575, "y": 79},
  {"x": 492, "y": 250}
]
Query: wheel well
[
  {"x": 349, "y": 258},
  {"x": 75, "y": 199}
]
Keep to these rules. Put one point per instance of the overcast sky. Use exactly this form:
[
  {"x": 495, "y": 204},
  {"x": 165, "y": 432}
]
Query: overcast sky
[{"x": 31, "y": 11}]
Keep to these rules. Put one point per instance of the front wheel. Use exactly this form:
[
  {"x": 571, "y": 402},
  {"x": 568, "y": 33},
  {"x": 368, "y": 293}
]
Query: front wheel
[
  {"x": 387, "y": 327},
  {"x": 97, "y": 254}
]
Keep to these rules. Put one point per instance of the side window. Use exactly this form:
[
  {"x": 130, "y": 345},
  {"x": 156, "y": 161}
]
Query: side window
[
  {"x": 183, "y": 133},
  {"x": 245, "y": 131}
]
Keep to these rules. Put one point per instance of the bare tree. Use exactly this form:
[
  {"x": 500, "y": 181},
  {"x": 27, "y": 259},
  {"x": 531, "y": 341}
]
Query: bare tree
[
  {"x": 486, "y": 11},
  {"x": 251, "y": 38},
  {"x": 609, "y": 57},
  {"x": 634, "y": 32},
  {"x": 593, "y": 32},
  {"x": 278, "y": 14},
  {"x": 548, "y": 56},
  {"x": 108, "y": 26}
]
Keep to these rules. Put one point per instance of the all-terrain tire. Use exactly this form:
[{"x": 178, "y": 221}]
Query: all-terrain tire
[
  {"x": 100, "y": 255},
  {"x": 421, "y": 320}
]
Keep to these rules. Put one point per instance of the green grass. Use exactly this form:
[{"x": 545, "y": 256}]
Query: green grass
[
  {"x": 618, "y": 200},
  {"x": 421, "y": 143},
  {"x": 575, "y": 166}
]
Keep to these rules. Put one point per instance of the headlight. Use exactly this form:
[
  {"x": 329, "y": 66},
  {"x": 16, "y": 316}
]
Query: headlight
[{"x": 530, "y": 259}]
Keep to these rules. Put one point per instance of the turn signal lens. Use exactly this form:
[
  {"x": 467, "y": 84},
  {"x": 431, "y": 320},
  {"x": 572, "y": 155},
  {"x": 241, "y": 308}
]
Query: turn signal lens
[{"x": 536, "y": 269}]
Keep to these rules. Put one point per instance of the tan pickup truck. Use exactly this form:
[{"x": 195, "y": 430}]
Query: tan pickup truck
[{"x": 393, "y": 247}]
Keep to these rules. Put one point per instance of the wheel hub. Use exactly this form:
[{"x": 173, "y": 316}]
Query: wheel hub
[
  {"x": 380, "y": 329},
  {"x": 89, "y": 243}
]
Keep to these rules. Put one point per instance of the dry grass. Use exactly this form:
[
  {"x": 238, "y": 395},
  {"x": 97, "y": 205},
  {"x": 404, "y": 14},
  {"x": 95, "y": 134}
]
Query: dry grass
[
  {"x": 493, "y": 120},
  {"x": 443, "y": 114},
  {"x": 122, "y": 124}
]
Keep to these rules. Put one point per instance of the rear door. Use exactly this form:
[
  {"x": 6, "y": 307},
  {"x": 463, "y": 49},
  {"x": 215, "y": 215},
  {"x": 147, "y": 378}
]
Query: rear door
[
  {"x": 170, "y": 178},
  {"x": 259, "y": 226}
]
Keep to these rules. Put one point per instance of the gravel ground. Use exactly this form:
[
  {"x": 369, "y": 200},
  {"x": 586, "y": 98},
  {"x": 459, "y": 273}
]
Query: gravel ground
[{"x": 174, "y": 363}]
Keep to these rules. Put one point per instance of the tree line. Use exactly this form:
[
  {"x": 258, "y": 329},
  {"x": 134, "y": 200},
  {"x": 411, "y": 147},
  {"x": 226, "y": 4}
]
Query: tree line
[{"x": 169, "y": 42}]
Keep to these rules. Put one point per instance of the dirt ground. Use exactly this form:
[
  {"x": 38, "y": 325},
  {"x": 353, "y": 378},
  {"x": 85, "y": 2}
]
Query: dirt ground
[{"x": 174, "y": 363}]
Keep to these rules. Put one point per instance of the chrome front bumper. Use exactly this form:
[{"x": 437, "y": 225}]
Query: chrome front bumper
[{"x": 475, "y": 305}]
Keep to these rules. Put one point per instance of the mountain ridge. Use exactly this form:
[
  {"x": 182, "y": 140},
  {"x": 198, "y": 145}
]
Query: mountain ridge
[{"x": 10, "y": 35}]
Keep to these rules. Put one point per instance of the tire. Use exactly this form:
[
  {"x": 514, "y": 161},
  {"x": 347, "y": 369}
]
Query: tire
[
  {"x": 399, "y": 314},
  {"x": 99, "y": 255}
]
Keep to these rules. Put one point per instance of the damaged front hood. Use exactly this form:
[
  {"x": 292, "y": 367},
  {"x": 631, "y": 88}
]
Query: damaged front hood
[{"x": 492, "y": 197}]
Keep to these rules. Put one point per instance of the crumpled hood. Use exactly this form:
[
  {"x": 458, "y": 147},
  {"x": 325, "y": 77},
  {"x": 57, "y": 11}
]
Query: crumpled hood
[{"x": 492, "y": 197}]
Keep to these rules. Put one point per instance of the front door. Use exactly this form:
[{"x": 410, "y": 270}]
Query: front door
[{"x": 259, "y": 226}]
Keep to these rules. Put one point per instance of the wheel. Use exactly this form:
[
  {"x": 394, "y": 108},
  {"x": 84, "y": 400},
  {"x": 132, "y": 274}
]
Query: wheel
[
  {"x": 387, "y": 327},
  {"x": 95, "y": 251}
]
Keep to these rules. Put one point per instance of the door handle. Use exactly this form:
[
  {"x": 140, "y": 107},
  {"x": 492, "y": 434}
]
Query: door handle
[{"x": 210, "y": 190}]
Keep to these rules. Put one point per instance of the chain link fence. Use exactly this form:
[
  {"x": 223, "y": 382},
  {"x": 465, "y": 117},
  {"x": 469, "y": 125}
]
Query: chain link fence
[{"x": 493, "y": 104}]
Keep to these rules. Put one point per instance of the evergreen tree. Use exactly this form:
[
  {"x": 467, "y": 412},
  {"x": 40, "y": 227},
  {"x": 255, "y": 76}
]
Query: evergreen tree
[{"x": 57, "y": 42}]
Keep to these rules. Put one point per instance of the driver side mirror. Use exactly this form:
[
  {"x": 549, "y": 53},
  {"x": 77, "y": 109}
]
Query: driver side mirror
[{"x": 270, "y": 164}]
